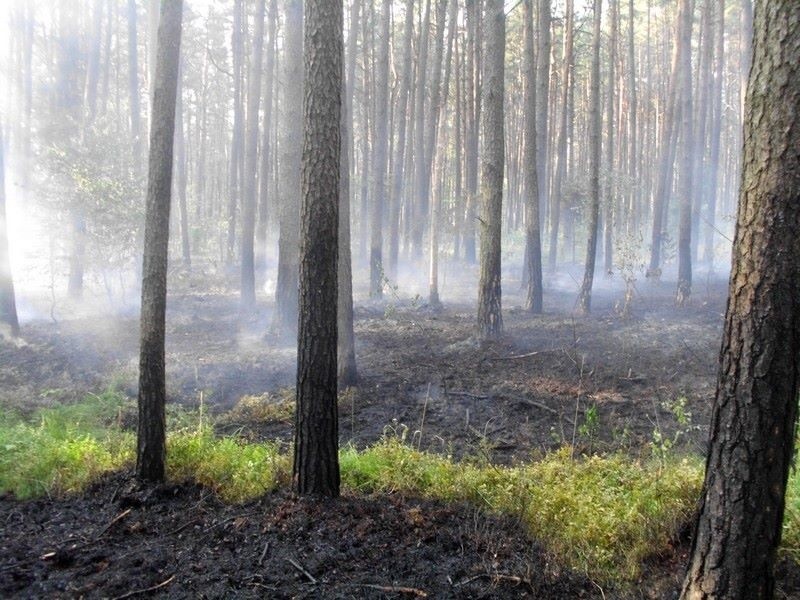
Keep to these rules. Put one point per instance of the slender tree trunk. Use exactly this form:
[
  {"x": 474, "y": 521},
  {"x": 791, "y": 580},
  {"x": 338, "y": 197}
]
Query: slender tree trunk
[
  {"x": 379, "y": 165},
  {"x": 687, "y": 160},
  {"x": 533, "y": 244},
  {"x": 248, "y": 282},
  {"x": 133, "y": 89},
  {"x": 585, "y": 297},
  {"x": 567, "y": 82},
  {"x": 609, "y": 185},
  {"x": 490, "y": 316},
  {"x": 151, "y": 436},
  {"x": 716, "y": 134},
  {"x": 180, "y": 176},
  {"x": 316, "y": 462},
  {"x": 751, "y": 442},
  {"x": 237, "y": 51},
  {"x": 473, "y": 118},
  {"x": 8, "y": 303},
  {"x": 400, "y": 147},
  {"x": 284, "y": 321},
  {"x": 543, "y": 101},
  {"x": 422, "y": 182},
  {"x": 266, "y": 137},
  {"x": 439, "y": 92},
  {"x": 346, "y": 353}
]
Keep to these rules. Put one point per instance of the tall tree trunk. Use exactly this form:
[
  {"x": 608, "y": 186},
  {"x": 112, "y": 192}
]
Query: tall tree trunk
[
  {"x": 133, "y": 89},
  {"x": 180, "y": 175},
  {"x": 687, "y": 160},
  {"x": 379, "y": 165},
  {"x": 664, "y": 174},
  {"x": 567, "y": 82},
  {"x": 151, "y": 435},
  {"x": 8, "y": 303},
  {"x": 609, "y": 184},
  {"x": 533, "y": 243},
  {"x": 248, "y": 282},
  {"x": 266, "y": 138},
  {"x": 751, "y": 443},
  {"x": 439, "y": 90},
  {"x": 284, "y": 321},
  {"x": 401, "y": 145},
  {"x": 473, "y": 118},
  {"x": 316, "y": 462},
  {"x": 595, "y": 124},
  {"x": 346, "y": 353},
  {"x": 420, "y": 209},
  {"x": 543, "y": 101},
  {"x": 237, "y": 150},
  {"x": 716, "y": 133},
  {"x": 490, "y": 316}
]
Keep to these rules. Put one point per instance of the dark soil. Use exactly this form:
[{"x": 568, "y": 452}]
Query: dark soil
[
  {"x": 601, "y": 383},
  {"x": 179, "y": 542}
]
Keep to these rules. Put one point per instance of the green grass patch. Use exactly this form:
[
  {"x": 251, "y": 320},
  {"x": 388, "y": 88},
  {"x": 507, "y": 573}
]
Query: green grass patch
[
  {"x": 63, "y": 449},
  {"x": 599, "y": 514},
  {"x": 602, "y": 514}
]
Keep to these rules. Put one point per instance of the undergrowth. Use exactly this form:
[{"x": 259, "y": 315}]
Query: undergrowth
[{"x": 602, "y": 514}]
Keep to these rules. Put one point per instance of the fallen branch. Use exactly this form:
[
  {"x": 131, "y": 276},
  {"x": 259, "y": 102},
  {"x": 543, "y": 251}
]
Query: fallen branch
[
  {"x": 396, "y": 589},
  {"x": 146, "y": 590},
  {"x": 468, "y": 395},
  {"x": 518, "y": 356},
  {"x": 115, "y": 520},
  {"x": 300, "y": 568},
  {"x": 494, "y": 578}
]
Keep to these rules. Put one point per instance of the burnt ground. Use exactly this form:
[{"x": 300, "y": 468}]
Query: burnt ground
[{"x": 601, "y": 383}]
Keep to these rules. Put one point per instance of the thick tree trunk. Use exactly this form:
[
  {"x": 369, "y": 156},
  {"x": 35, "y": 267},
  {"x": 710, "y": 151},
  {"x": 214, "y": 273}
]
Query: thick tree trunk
[
  {"x": 316, "y": 462},
  {"x": 248, "y": 282},
  {"x": 490, "y": 316},
  {"x": 753, "y": 420},
  {"x": 151, "y": 435},
  {"x": 585, "y": 296},
  {"x": 8, "y": 303}
]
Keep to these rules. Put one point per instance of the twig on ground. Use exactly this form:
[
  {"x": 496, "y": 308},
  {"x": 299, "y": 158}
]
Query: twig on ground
[
  {"x": 518, "y": 356},
  {"x": 300, "y": 568},
  {"x": 114, "y": 521},
  {"x": 467, "y": 395},
  {"x": 493, "y": 577},
  {"x": 395, "y": 589},
  {"x": 263, "y": 554},
  {"x": 146, "y": 590}
]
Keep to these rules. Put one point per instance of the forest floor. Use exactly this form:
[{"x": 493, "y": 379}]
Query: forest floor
[{"x": 603, "y": 383}]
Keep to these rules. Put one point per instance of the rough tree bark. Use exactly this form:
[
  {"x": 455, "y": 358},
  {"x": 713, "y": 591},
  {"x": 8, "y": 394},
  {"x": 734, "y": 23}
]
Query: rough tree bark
[
  {"x": 151, "y": 434},
  {"x": 585, "y": 296},
  {"x": 490, "y": 317},
  {"x": 753, "y": 420},
  {"x": 316, "y": 462}
]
